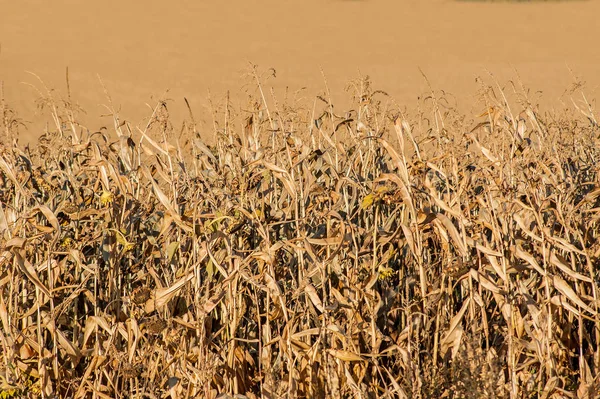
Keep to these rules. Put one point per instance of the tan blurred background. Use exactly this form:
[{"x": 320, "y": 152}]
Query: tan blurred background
[{"x": 142, "y": 48}]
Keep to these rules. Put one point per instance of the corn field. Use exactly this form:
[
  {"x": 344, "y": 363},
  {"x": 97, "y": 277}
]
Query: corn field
[{"x": 279, "y": 251}]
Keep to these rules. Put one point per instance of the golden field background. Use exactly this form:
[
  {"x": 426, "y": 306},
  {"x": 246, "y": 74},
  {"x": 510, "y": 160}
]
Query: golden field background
[
  {"x": 141, "y": 49},
  {"x": 409, "y": 225}
]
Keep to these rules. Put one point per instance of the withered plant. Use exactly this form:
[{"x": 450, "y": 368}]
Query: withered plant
[{"x": 304, "y": 252}]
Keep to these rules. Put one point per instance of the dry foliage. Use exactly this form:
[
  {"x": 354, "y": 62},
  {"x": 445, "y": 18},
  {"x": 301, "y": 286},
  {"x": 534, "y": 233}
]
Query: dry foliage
[{"x": 304, "y": 254}]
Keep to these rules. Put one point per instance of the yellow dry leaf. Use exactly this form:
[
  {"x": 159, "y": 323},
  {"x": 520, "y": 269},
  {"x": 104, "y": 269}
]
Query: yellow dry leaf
[
  {"x": 346, "y": 356},
  {"x": 106, "y": 198},
  {"x": 385, "y": 272},
  {"x": 367, "y": 202},
  {"x": 171, "y": 249},
  {"x": 127, "y": 246}
]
